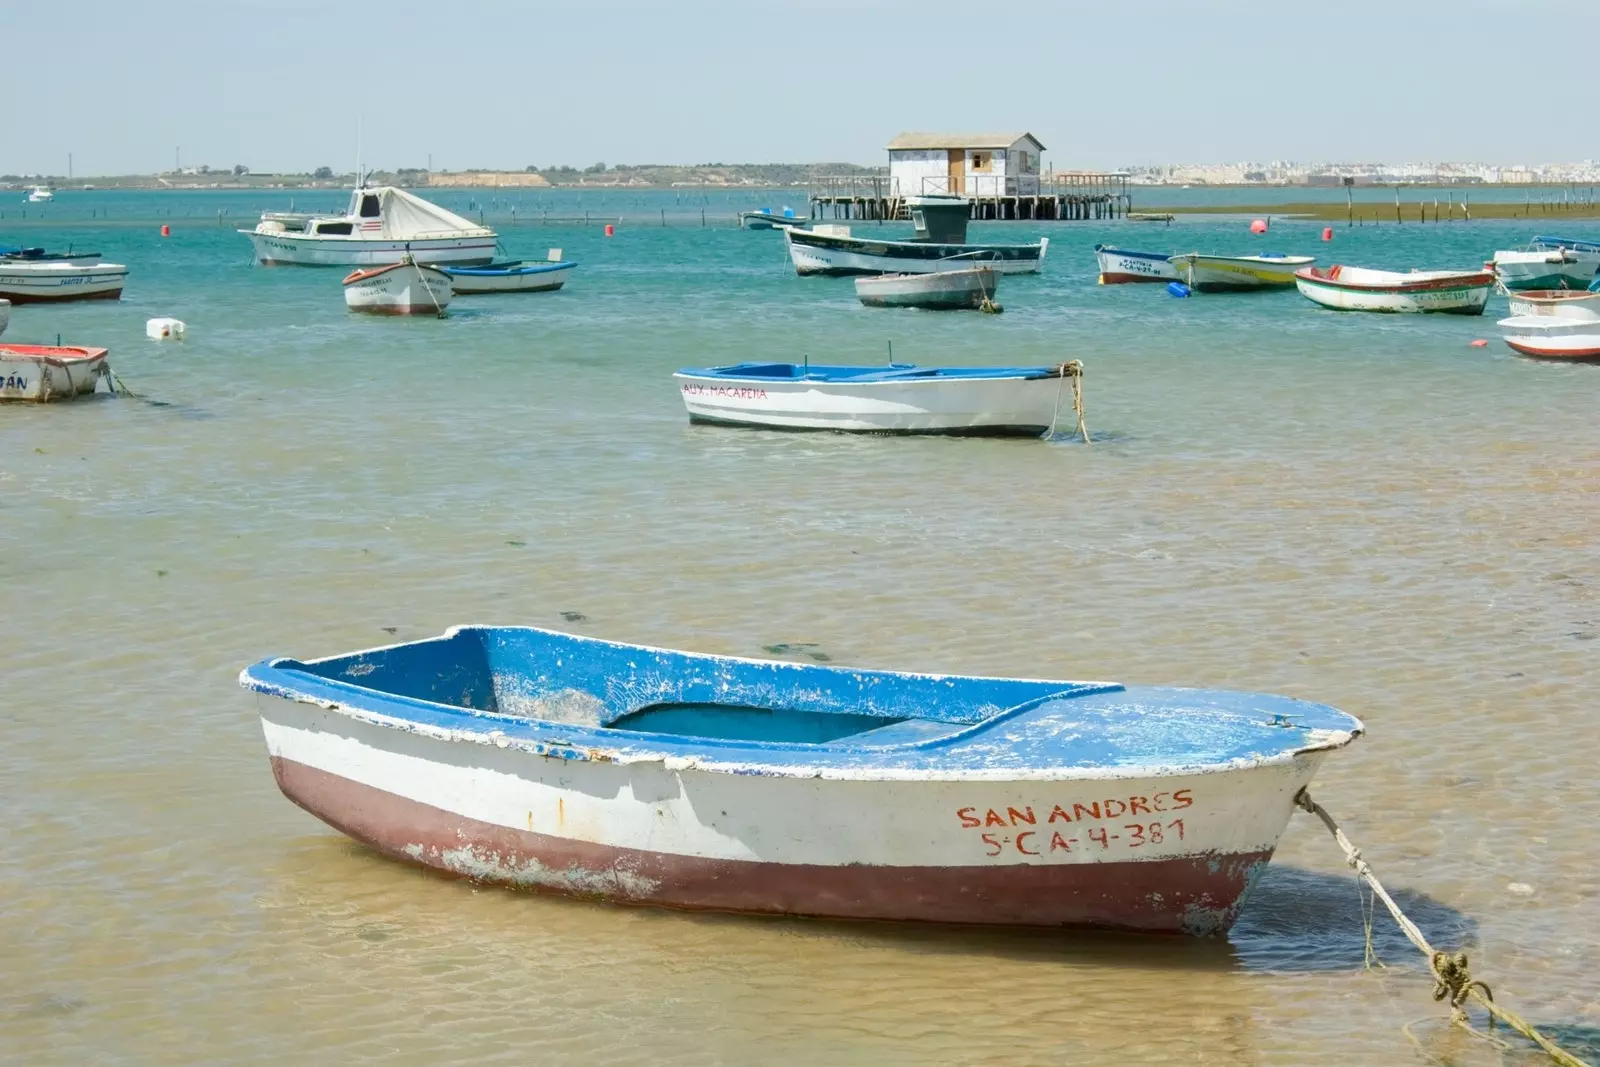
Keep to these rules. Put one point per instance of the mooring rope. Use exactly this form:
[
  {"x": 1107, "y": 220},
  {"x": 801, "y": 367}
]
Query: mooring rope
[
  {"x": 1072, "y": 368},
  {"x": 1453, "y": 981}
]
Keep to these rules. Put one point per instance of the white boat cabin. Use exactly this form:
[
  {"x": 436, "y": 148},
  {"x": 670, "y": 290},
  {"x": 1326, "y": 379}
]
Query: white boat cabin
[
  {"x": 965, "y": 164},
  {"x": 382, "y": 213}
]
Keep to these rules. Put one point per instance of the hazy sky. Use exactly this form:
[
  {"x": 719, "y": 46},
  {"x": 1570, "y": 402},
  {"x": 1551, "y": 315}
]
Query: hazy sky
[{"x": 503, "y": 83}]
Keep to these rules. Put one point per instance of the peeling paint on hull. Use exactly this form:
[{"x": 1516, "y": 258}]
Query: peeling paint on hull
[{"x": 1198, "y": 895}]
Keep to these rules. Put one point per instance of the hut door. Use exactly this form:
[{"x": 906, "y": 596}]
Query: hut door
[{"x": 957, "y": 162}]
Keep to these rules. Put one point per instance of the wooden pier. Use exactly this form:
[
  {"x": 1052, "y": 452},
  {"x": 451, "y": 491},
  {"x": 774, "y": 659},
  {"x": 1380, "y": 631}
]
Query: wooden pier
[{"x": 1056, "y": 197}]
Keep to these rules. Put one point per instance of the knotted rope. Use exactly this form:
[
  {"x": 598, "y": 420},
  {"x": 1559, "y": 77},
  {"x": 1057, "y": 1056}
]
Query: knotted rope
[
  {"x": 1453, "y": 981},
  {"x": 1072, "y": 369}
]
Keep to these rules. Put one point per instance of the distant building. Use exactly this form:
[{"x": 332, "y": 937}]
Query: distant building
[{"x": 972, "y": 164}]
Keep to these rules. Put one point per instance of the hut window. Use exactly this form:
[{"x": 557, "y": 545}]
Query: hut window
[
  {"x": 369, "y": 207},
  {"x": 981, "y": 160}
]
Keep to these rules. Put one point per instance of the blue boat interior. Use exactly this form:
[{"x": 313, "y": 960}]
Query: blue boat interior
[
  {"x": 508, "y": 267},
  {"x": 817, "y": 372},
  {"x": 579, "y": 696}
]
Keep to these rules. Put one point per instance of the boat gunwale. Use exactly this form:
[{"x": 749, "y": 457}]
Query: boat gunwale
[
  {"x": 522, "y": 267},
  {"x": 981, "y": 374},
  {"x": 601, "y": 744},
  {"x": 361, "y": 274},
  {"x": 1430, "y": 281}
]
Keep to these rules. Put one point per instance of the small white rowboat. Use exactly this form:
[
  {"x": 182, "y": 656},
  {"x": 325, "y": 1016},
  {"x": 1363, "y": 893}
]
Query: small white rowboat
[
  {"x": 49, "y": 372},
  {"x": 1344, "y": 288},
  {"x": 944, "y": 290},
  {"x": 1581, "y": 347},
  {"x": 404, "y": 288},
  {"x": 517, "y": 277},
  {"x": 1221, "y": 274},
  {"x": 1120, "y": 265},
  {"x": 641, "y": 775},
  {"x": 33, "y": 281},
  {"x": 1562, "y": 303},
  {"x": 899, "y": 398}
]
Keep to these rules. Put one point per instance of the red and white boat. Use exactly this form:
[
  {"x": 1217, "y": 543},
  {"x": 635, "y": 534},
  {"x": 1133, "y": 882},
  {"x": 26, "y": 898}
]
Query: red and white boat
[
  {"x": 35, "y": 281},
  {"x": 1553, "y": 337},
  {"x": 1452, "y": 292},
  {"x": 404, "y": 288},
  {"x": 50, "y": 372},
  {"x": 639, "y": 775},
  {"x": 1561, "y": 303}
]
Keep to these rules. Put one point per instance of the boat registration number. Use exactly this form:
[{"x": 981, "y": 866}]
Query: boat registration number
[{"x": 1099, "y": 826}]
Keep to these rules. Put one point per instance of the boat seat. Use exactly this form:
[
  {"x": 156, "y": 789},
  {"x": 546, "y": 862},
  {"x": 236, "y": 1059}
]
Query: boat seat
[{"x": 904, "y": 732}]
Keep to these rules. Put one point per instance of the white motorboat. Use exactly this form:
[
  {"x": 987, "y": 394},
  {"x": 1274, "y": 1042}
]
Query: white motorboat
[
  {"x": 899, "y": 398},
  {"x": 942, "y": 290},
  {"x": 27, "y": 281},
  {"x": 1562, "y": 303},
  {"x": 941, "y": 233},
  {"x": 1549, "y": 263},
  {"x": 1452, "y": 292},
  {"x": 41, "y": 194},
  {"x": 381, "y": 225},
  {"x": 50, "y": 372},
  {"x": 403, "y": 288},
  {"x": 767, "y": 219},
  {"x": 1221, "y": 274}
]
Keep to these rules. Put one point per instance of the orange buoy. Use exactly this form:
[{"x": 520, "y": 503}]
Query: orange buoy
[
  {"x": 166, "y": 231},
  {"x": 611, "y": 231},
  {"x": 1258, "y": 226},
  {"x": 1480, "y": 343},
  {"x": 1327, "y": 233}
]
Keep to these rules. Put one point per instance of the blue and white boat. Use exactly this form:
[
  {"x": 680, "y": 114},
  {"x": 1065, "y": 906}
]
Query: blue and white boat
[
  {"x": 647, "y": 776},
  {"x": 897, "y": 398},
  {"x": 1120, "y": 265},
  {"x": 1549, "y": 263},
  {"x": 511, "y": 276},
  {"x": 767, "y": 219}
]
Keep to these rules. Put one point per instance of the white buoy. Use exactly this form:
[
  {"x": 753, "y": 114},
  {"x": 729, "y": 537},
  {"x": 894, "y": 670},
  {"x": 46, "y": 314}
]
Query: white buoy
[{"x": 163, "y": 329}]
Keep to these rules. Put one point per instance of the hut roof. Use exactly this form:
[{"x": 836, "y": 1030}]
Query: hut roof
[{"x": 962, "y": 140}]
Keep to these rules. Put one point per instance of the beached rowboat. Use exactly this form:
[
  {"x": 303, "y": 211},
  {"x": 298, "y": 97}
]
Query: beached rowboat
[
  {"x": 1220, "y": 274},
  {"x": 899, "y": 398},
  {"x": 50, "y": 372},
  {"x": 510, "y": 277},
  {"x": 646, "y": 776},
  {"x": 1120, "y": 265},
  {"x": 404, "y": 288},
  {"x": 938, "y": 291},
  {"x": 1344, "y": 288},
  {"x": 39, "y": 281}
]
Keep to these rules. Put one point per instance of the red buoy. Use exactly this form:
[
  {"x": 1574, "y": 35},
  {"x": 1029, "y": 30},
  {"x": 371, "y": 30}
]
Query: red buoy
[
  {"x": 1258, "y": 226},
  {"x": 611, "y": 231},
  {"x": 1480, "y": 343},
  {"x": 1327, "y": 233},
  {"x": 166, "y": 231}
]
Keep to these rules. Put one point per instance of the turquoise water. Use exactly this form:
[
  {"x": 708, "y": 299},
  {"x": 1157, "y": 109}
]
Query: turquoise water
[{"x": 1357, "y": 509}]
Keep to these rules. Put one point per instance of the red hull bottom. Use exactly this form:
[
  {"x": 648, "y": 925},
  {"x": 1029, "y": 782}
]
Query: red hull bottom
[
  {"x": 413, "y": 309},
  {"x": 37, "y": 298},
  {"x": 1197, "y": 895},
  {"x": 1123, "y": 279},
  {"x": 1569, "y": 355}
]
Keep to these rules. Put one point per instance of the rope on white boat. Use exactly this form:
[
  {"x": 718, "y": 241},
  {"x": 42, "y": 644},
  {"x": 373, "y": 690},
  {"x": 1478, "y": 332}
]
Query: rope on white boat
[
  {"x": 1072, "y": 368},
  {"x": 1453, "y": 981}
]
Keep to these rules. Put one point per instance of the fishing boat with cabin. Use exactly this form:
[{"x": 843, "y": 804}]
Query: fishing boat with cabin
[
  {"x": 641, "y": 775},
  {"x": 1548, "y": 263},
  {"x": 1224, "y": 274},
  {"x": 29, "y": 281},
  {"x": 945, "y": 290},
  {"x": 1450, "y": 292},
  {"x": 511, "y": 276},
  {"x": 403, "y": 288},
  {"x": 381, "y": 225},
  {"x": 939, "y": 243},
  {"x": 43, "y": 373},
  {"x": 898, "y": 398},
  {"x": 1119, "y": 266}
]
